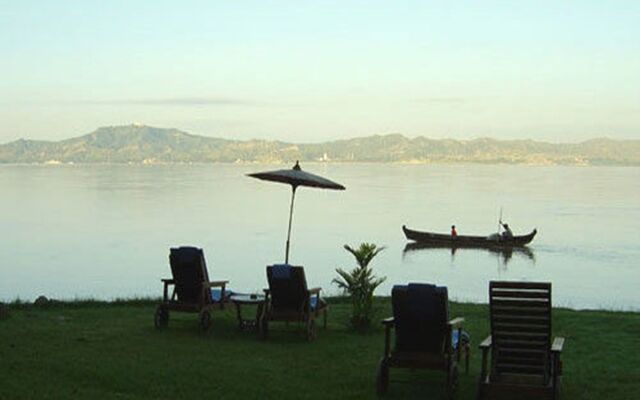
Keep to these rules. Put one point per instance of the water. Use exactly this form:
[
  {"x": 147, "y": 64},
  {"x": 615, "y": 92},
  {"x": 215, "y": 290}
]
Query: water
[{"x": 104, "y": 231}]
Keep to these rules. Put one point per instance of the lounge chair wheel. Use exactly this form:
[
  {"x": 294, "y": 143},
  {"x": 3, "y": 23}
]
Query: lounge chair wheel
[
  {"x": 311, "y": 330},
  {"x": 205, "y": 320},
  {"x": 161, "y": 317},
  {"x": 382, "y": 377}
]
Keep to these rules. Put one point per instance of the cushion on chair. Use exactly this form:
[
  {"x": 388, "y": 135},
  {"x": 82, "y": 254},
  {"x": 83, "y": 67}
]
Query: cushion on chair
[
  {"x": 466, "y": 338},
  {"x": 216, "y": 294},
  {"x": 421, "y": 299},
  {"x": 313, "y": 302},
  {"x": 420, "y": 312},
  {"x": 186, "y": 254},
  {"x": 281, "y": 271}
]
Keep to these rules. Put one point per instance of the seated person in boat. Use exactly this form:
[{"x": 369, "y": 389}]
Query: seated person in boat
[
  {"x": 453, "y": 231},
  {"x": 507, "y": 234}
]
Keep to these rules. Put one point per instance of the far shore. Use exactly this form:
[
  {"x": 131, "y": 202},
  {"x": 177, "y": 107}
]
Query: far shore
[{"x": 55, "y": 163}]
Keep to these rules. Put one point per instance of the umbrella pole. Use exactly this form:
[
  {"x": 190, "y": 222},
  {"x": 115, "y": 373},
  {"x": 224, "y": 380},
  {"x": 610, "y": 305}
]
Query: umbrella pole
[{"x": 293, "y": 195}]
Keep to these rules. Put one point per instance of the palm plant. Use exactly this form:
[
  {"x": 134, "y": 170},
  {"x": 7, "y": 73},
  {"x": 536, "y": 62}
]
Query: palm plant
[{"x": 360, "y": 283}]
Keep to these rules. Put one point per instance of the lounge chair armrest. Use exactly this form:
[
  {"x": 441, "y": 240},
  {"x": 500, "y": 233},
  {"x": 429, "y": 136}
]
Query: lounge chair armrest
[
  {"x": 315, "y": 290},
  {"x": 215, "y": 284},
  {"x": 456, "y": 321},
  {"x": 388, "y": 325},
  {"x": 266, "y": 291},
  {"x": 556, "y": 349},
  {"x": 486, "y": 344},
  {"x": 557, "y": 345},
  {"x": 165, "y": 292}
]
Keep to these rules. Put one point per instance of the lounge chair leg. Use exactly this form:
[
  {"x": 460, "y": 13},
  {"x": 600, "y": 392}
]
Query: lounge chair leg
[
  {"x": 161, "y": 317},
  {"x": 205, "y": 320},
  {"x": 466, "y": 358},
  {"x": 382, "y": 377},
  {"x": 311, "y": 329},
  {"x": 479, "y": 392},
  {"x": 263, "y": 328},
  {"x": 452, "y": 379}
]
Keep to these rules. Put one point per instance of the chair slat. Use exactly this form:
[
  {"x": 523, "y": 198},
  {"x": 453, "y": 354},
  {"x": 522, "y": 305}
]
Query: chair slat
[
  {"x": 519, "y": 285},
  {"x": 535, "y": 303},
  {"x": 510, "y": 310},
  {"x": 524, "y": 361},
  {"x": 522, "y": 336},
  {"x": 529, "y": 294},
  {"x": 521, "y": 319},
  {"x": 515, "y": 344},
  {"x": 523, "y": 353},
  {"x": 520, "y": 369},
  {"x": 534, "y": 328}
]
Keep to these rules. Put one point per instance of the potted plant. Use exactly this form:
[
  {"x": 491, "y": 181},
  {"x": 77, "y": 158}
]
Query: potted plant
[{"x": 360, "y": 283}]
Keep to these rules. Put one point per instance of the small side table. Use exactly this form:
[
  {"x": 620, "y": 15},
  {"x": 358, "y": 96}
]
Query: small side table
[{"x": 248, "y": 299}]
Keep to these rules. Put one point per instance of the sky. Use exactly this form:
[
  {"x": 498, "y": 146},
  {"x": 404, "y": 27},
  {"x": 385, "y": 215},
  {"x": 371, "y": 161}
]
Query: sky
[{"x": 309, "y": 71}]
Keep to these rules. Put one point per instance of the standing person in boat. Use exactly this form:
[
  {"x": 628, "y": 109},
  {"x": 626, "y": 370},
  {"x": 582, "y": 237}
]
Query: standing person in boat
[
  {"x": 507, "y": 234},
  {"x": 454, "y": 233}
]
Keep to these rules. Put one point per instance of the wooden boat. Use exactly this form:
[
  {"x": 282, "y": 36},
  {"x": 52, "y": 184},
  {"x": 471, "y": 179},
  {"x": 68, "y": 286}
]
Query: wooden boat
[{"x": 467, "y": 241}]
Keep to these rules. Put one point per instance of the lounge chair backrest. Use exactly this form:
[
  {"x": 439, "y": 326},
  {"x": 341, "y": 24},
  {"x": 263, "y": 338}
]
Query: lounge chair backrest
[
  {"x": 420, "y": 313},
  {"x": 520, "y": 328},
  {"x": 288, "y": 287},
  {"x": 189, "y": 272}
]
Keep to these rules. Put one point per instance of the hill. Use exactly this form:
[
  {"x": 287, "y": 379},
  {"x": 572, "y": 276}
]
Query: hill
[{"x": 145, "y": 144}]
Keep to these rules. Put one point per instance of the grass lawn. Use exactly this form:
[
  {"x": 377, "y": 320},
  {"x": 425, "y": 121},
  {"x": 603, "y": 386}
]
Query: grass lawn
[{"x": 111, "y": 350}]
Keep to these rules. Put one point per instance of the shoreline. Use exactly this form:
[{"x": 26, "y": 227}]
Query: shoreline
[{"x": 80, "y": 303}]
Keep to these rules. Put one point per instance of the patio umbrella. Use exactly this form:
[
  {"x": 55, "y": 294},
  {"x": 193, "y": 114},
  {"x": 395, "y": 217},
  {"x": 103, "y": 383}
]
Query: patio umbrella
[{"x": 296, "y": 177}]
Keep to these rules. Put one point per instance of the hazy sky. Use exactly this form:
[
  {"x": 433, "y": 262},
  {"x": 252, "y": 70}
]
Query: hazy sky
[{"x": 316, "y": 70}]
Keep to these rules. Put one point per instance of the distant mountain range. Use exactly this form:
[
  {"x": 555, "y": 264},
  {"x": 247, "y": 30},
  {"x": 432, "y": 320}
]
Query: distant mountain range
[{"x": 145, "y": 144}]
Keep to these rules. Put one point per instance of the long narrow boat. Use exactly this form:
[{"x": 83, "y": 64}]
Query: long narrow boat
[{"x": 467, "y": 241}]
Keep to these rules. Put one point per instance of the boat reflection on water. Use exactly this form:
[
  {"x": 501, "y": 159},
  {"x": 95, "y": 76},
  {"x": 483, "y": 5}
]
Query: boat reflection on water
[{"x": 505, "y": 253}]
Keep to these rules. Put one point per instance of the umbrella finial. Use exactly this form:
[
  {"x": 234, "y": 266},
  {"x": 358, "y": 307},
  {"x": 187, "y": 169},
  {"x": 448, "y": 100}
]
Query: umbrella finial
[{"x": 297, "y": 166}]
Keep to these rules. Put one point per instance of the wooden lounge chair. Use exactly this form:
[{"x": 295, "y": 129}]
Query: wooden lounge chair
[
  {"x": 288, "y": 299},
  {"x": 192, "y": 290},
  {"x": 424, "y": 335},
  {"x": 525, "y": 363}
]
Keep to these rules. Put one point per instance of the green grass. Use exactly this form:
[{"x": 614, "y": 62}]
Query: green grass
[{"x": 94, "y": 350}]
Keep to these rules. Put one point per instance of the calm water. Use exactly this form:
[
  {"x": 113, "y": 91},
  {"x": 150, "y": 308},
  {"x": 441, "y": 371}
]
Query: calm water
[{"x": 105, "y": 231}]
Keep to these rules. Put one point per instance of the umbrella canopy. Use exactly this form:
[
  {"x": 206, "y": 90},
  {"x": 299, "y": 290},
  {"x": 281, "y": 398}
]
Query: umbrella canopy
[{"x": 296, "y": 177}]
